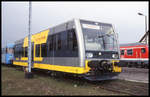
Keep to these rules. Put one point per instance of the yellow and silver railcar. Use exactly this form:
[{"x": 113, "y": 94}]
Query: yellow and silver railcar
[{"x": 82, "y": 47}]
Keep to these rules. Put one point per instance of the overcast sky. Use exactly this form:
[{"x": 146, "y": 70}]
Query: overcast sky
[{"x": 123, "y": 15}]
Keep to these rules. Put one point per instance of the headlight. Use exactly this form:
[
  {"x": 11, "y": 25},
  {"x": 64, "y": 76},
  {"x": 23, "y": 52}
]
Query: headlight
[
  {"x": 99, "y": 53},
  {"x": 89, "y": 55},
  {"x": 115, "y": 55}
]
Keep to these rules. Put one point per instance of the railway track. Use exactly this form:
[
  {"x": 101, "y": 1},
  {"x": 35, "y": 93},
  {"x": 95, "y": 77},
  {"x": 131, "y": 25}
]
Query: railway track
[
  {"x": 115, "y": 90},
  {"x": 125, "y": 89}
]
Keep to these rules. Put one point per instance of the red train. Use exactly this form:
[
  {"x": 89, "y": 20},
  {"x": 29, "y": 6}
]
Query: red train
[{"x": 134, "y": 55}]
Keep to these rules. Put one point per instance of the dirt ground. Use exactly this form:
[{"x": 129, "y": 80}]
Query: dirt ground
[
  {"x": 135, "y": 74},
  {"x": 14, "y": 83}
]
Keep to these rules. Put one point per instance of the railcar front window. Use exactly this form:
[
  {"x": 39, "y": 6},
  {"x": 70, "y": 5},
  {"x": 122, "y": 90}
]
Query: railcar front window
[{"x": 99, "y": 38}]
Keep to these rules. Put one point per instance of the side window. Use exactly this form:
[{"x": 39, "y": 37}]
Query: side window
[
  {"x": 26, "y": 51},
  {"x": 15, "y": 52},
  {"x": 143, "y": 50},
  {"x": 54, "y": 41},
  {"x": 43, "y": 50},
  {"x": 5, "y": 50},
  {"x": 11, "y": 50},
  {"x": 2, "y": 51},
  {"x": 71, "y": 40},
  {"x": 122, "y": 52},
  {"x": 38, "y": 50},
  {"x": 75, "y": 45},
  {"x": 19, "y": 52},
  {"x": 22, "y": 51},
  {"x": 58, "y": 41},
  {"x": 129, "y": 51},
  {"x": 50, "y": 45}
]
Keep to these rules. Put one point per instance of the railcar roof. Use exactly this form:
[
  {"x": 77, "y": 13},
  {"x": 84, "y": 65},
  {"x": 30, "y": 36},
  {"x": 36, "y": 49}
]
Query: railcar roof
[
  {"x": 132, "y": 44},
  {"x": 21, "y": 40},
  {"x": 95, "y": 21}
]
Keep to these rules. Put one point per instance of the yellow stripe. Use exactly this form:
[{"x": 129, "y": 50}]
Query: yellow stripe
[
  {"x": 20, "y": 63},
  {"x": 24, "y": 58},
  {"x": 70, "y": 69},
  {"x": 87, "y": 68},
  {"x": 17, "y": 58},
  {"x": 116, "y": 68},
  {"x": 35, "y": 58},
  {"x": 38, "y": 58},
  {"x": 37, "y": 38}
]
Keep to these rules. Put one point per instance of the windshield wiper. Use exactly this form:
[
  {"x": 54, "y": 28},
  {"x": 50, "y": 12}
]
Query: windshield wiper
[
  {"x": 106, "y": 35},
  {"x": 103, "y": 40},
  {"x": 102, "y": 36}
]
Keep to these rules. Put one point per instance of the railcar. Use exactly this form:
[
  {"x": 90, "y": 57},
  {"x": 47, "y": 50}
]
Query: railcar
[
  {"x": 87, "y": 48},
  {"x": 134, "y": 55},
  {"x": 8, "y": 54}
]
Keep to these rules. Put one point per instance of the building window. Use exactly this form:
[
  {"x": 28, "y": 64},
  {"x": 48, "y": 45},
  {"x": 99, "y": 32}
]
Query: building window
[
  {"x": 130, "y": 52},
  {"x": 122, "y": 52},
  {"x": 43, "y": 50},
  {"x": 143, "y": 50},
  {"x": 38, "y": 50}
]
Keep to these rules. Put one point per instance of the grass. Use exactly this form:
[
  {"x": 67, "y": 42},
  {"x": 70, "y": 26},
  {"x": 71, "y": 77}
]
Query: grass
[{"x": 15, "y": 83}]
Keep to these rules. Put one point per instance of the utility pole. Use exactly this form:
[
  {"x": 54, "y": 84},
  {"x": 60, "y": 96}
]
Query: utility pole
[
  {"x": 28, "y": 72},
  {"x": 146, "y": 40},
  {"x": 146, "y": 29}
]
